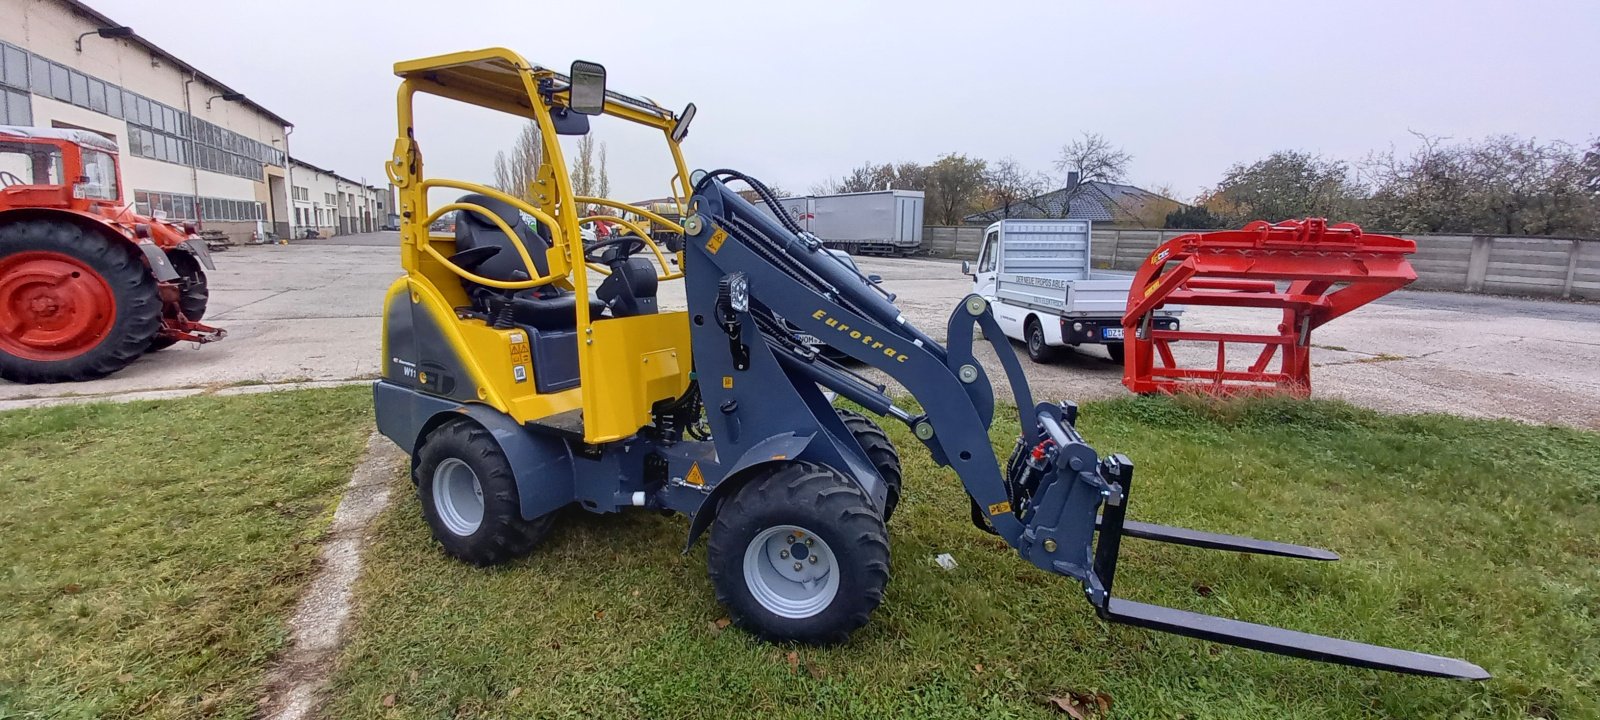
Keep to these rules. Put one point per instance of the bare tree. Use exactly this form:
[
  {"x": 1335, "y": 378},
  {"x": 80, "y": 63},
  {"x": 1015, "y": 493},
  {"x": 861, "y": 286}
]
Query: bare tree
[
  {"x": 516, "y": 171},
  {"x": 1010, "y": 186},
  {"x": 1501, "y": 184},
  {"x": 583, "y": 175},
  {"x": 605, "y": 180},
  {"x": 868, "y": 177},
  {"x": 1094, "y": 158}
]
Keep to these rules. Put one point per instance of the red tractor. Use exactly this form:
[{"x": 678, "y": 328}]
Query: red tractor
[{"x": 87, "y": 285}]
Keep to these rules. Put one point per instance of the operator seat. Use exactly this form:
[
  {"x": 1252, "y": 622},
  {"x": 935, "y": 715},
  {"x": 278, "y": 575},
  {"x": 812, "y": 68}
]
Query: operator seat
[{"x": 483, "y": 248}]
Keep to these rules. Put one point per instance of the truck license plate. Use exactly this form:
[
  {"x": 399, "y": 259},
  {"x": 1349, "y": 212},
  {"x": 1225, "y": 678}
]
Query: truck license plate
[
  {"x": 809, "y": 339},
  {"x": 1112, "y": 333}
]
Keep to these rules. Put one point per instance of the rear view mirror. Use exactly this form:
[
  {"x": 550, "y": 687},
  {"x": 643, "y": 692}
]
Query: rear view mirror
[
  {"x": 587, "y": 93},
  {"x": 681, "y": 130},
  {"x": 568, "y": 122},
  {"x": 966, "y": 267},
  {"x": 874, "y": 279}
]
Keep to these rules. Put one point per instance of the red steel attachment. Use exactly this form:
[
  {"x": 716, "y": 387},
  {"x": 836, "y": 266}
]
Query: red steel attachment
[{"x": 1325, "y": 270}]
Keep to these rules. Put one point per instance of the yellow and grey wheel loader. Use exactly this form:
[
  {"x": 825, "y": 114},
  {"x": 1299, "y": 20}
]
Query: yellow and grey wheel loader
[{"x": 519, "y": 389}]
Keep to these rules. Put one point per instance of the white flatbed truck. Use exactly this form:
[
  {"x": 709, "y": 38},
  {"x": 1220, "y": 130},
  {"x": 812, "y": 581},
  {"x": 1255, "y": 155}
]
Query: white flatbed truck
[{"x": 1045, "y": 293}]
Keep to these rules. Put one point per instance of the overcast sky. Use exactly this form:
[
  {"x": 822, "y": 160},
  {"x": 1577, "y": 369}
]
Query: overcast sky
[{"x": 793, "y": 93}]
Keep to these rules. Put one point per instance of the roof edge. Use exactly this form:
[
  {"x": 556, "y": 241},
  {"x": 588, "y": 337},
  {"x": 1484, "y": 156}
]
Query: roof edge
[{"x": 79, "y": 7}]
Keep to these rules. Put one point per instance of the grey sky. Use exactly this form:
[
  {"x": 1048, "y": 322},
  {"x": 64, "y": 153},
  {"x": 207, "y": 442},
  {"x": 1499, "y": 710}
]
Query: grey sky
[{"x": 795, "y": 92}]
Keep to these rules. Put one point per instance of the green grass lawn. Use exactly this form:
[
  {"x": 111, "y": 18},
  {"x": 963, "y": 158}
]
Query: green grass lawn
[
  {"x": 151, "y": 552},
  {"x": 1466, "y": 538}
]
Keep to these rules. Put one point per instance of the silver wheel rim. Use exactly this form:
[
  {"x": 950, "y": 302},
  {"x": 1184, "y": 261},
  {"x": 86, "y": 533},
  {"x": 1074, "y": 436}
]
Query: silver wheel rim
[
  {"x": 770, "y": 562},
  {"x": 458, "y": 497}
]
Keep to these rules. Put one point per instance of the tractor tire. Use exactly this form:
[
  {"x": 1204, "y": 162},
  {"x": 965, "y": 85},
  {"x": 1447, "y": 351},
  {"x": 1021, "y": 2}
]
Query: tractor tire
[
  {"x": 469, "y": 497},
  {"x": 194, "y": 297},
  {"x": 1117, "y": 352},
  {"x": 807, "y": 515},
  {"x": 87, "y": 303},
  {"x": 885, "y": 458},
  {"x": 1038, "y": 351}
]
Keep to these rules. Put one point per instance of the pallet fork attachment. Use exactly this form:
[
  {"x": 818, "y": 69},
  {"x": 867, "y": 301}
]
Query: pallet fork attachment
[
  {"x": 1113, "y": 526},
  {"x": 1311, "y": 271},
  {"x": 1113, "y": 477}
]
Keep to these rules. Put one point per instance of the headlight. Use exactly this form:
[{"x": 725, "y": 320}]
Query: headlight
[{"x": 739, "y": 292}]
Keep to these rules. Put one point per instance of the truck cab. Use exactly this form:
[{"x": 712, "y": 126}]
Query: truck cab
[{"x": 1038, "y": 276}]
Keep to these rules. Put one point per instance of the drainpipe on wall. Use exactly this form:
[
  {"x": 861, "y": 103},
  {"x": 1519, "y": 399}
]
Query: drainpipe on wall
[
  {"x": 194, "y": 174},
  {"x": 288, "y": 171}
]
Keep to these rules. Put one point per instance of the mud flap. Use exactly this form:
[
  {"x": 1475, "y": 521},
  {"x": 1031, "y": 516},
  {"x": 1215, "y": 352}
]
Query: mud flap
[
  {"x": 156, "y": 258},
  {"x": 774, "y": 449},
  {"x": 198, "y": 249}
]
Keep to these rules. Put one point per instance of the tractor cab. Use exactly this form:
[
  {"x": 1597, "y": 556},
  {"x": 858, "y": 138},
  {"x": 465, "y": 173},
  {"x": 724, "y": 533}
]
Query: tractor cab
[
  {"x": 512, "y": 308},
  {"x": 43, "y": 167}
]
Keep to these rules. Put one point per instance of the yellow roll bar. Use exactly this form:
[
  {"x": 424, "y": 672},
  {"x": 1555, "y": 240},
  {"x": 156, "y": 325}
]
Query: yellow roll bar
[{"x": 501, "y": 80}]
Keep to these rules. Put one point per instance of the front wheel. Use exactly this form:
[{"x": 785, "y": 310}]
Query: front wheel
[
  {"x": 881, "y": 451},
  {"x": 799, "y": 553},
  {"x": 469, "y": 497}
]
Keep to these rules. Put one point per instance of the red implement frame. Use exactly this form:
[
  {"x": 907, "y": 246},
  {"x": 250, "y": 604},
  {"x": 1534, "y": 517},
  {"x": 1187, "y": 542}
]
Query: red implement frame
[{"x": 1327, "y": 271}]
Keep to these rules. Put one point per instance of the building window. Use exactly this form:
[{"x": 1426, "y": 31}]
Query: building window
[
  {"x": 16, "y": 108},
  {"x": 172, "y": 135},
  {"x": 13, "y": 66}
]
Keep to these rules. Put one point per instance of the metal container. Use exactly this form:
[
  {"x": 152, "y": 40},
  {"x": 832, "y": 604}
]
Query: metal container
[{"x": 886, "y": 222}]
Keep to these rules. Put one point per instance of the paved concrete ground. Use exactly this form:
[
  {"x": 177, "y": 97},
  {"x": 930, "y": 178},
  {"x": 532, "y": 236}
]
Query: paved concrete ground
[{"x": 309, "y": 312}]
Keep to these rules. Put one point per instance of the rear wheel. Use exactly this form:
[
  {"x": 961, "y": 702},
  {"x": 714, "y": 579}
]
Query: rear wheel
[
  {"x": 885, "y": 458},
  {"x": 192, "y": 298},
  {"x": 74, "y": 304},
  {"x": 469, "y": 496},
  {"x": 1038, "y": 350},
  {"x": 799, "y": 553},
  {"x": 1117, "y": 352}
]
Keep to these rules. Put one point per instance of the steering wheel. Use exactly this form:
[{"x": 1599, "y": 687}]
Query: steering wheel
[
  {"x": 634, "y": 244},
  {"x": 8, "y": 178}
]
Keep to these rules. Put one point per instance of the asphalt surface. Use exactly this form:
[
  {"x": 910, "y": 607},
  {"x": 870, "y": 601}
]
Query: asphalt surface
[{"x": 309, "y": 312}]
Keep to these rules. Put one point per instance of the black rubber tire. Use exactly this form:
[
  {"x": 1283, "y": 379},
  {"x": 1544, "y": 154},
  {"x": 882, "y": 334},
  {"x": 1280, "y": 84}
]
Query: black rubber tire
[
  {"x": 1038, "y": 351},
  {"x": 827, "y": 503},
  {"x": 503, "y": 535},
  {"x": 195, "y": 296},
  {"x": 1117, "y": 352},
  {"x": 133, "y": 288},
  {"x": 885, "y": 458}
]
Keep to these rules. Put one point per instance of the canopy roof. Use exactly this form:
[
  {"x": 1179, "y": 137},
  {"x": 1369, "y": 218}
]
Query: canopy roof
[{"x": 492, "y": 78}]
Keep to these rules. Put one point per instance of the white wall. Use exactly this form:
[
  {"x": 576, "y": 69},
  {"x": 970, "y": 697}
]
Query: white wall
[{"x": 50, "y": 29}]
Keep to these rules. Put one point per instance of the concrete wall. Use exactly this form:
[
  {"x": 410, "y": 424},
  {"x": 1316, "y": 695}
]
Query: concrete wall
[{"x": 1533, "y": 266}]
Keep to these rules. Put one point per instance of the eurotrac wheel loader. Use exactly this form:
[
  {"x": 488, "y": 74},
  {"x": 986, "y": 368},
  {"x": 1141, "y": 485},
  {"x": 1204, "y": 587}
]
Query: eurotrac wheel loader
[{"x": 519, "y": 390}]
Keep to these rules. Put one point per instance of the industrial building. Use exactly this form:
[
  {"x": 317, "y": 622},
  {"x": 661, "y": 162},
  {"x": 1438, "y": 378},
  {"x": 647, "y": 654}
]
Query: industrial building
[
  {"x": 191, "y": 147},
  {"x": 326, "y": 203}
]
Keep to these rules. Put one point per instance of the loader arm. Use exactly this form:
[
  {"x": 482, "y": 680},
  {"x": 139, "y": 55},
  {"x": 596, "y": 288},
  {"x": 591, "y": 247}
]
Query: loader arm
[{"x": 752, "y": 276}]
